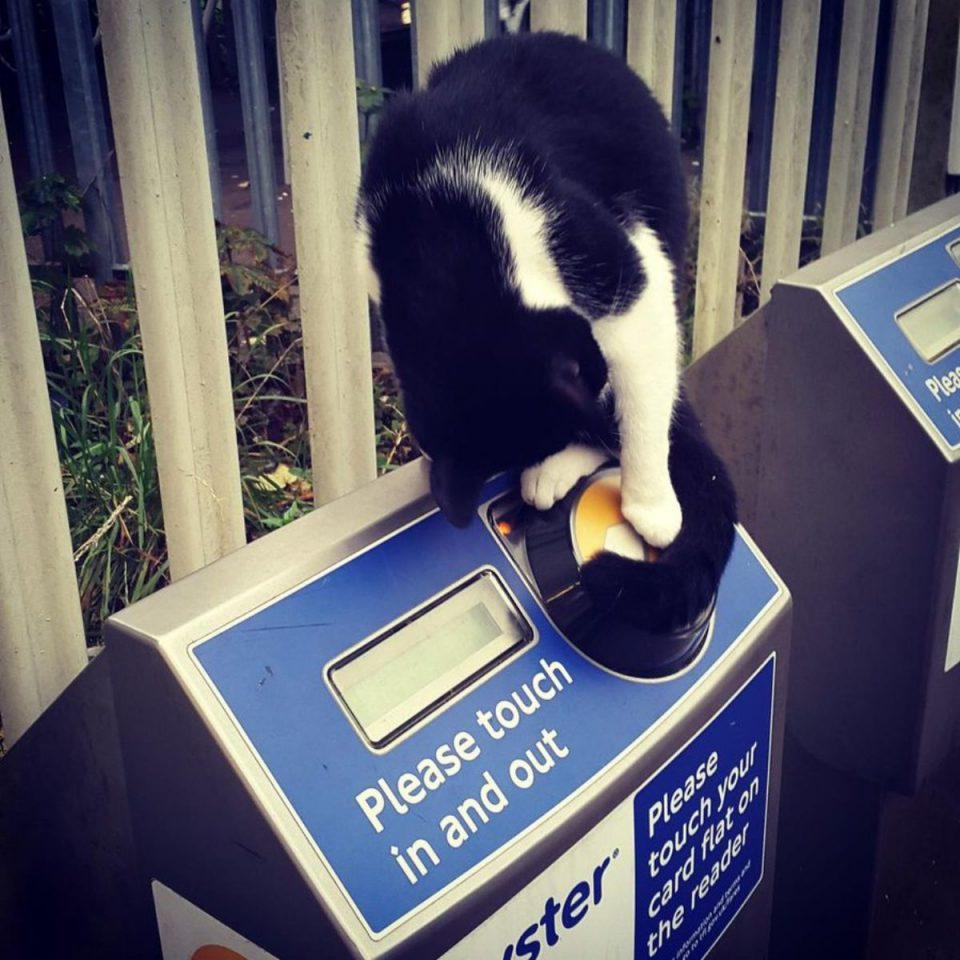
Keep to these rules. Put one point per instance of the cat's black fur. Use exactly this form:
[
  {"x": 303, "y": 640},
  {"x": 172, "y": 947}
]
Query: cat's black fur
[
  {"x": 671, "y": 592},
  {"x": 488, "y": 383}
]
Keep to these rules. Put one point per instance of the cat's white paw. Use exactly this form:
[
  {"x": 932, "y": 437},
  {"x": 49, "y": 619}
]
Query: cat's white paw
[
  {"x": 657, "y": 520},
  {"x": 543, "y": 484}
]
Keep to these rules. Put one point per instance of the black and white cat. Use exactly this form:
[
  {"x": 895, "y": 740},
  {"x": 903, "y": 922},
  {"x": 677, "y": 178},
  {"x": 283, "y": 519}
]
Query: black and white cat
[{"x": 524, "y": 220}]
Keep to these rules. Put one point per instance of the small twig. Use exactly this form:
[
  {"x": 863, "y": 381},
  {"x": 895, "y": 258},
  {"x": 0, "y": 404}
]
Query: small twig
[
  {"x": 754, "y": 277},
  {"x": 269, "y": 374},
  {"x": 93, "y": 540},
  {"x": 102, "y": 171},
  {"x": 401, "y": 436},
  {"x": 280, "y": 289}
]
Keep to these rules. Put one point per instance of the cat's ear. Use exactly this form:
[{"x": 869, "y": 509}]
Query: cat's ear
[{"x": 456, "y": 489}]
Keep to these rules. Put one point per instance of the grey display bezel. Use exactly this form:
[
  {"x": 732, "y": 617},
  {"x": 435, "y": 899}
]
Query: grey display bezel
[
  {"x": 430, "y": 705},
  {"x": 915, "y": 305},
  {"x": 831, "y": 289}
]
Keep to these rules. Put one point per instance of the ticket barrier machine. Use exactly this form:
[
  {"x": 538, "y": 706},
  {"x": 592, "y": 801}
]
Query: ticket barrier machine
[
  {"x": 364, "y": 736},
  {"x": 847, "y": 461}
]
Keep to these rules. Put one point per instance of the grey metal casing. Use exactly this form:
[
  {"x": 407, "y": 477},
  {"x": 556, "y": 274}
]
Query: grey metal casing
[
  {"x": 202, "y": 831},
  {"x": 857, "y": 504}
]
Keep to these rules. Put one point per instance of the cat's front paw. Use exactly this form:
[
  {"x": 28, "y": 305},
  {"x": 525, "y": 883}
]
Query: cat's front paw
[
  {"x": 543, "y": 484},
  {"x": 657, "y": 520}
]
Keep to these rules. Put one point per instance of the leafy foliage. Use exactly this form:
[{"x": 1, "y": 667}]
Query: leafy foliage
[
  {"x": 43, "y": 201},
  {"x": 94, "y": 359},
  {"x": 370, "y": 101},
  {"x": 265, "y": 347},
  {"x": 95, "y": 372}
]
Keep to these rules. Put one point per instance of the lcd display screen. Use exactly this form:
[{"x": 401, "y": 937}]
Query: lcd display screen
[
  {"x": 933, "y": 325},
  {"x": 406, "y": 672}
]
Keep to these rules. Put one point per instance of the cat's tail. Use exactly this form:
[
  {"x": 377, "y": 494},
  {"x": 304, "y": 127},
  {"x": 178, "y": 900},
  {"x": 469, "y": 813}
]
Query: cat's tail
[{"x": 672, "y": 591}]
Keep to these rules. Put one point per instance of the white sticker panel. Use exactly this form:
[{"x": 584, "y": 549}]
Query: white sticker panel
[
  {"x": 189, "y": 933},
  {"x": 584, "y": 898},
  {"x": 953, "y": 637}
]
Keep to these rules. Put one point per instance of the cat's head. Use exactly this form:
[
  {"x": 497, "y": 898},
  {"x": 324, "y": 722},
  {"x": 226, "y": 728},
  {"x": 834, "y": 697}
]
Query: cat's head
[
  {"x": 503, "y": 401},
  {"x": 489, "y": 383}
]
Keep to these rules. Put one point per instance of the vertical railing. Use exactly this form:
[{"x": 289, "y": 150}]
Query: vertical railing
[
  {"x": 848, "y": 144},
  {"x": 151, "y": 56},
  {"x": 792, "y": 117},
  {"x": 724, "y": 163},
  {"x": 319, "y": 91},
  {"x": 255, "y": 106},
  {"x": 566, "y": 16},
  {"x": 88, "y": 129},
  {"x": 151, "y": 66},
  {"x": 41, "y": 632},
  {"x": 33, "y": 98},
  {"x": 206, "y": 103},
  {"x": 651, "y": 46},
  {"x": 606, "y": 24},
  {"x": 440, "y": 27},
  {"x": 899, "y": 130}
]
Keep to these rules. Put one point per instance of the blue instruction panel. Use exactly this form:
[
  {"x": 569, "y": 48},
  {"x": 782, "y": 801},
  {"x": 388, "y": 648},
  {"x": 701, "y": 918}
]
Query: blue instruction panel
[
  {"x": 398, "y": 825},
  {"x": 699, "y": 829},
  {"x": 909, "y": 309}
]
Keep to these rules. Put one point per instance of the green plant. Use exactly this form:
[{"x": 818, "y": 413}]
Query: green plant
[
  {"x": 266, "y": 358},
  {"x": 95, "y": 373},
  {"x": 394, "y": 443},
  {"x": 43, "y": 203},
  {"x": 370, "y": 101},
  {"x": 265, "y": 348}
]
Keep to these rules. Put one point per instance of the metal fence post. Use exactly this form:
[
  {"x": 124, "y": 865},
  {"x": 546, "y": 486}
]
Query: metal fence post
[
  {"x": 255, "y": 103},
  {"x": 88, "y": 130},
  {"x": 366, "y": 41},
  {"x": 33, "y": 98},
  {"x": 608, "y": 25},
  {"x": 206, "y": 100},
  {"x": 366, "y": 53},
  {"x": 491, "y": 18},
  {"x": 42, "y": 647},
  {"x": 33, "y": 102}
]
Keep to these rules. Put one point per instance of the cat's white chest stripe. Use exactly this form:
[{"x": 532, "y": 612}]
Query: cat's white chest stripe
[{"x": 526, "y": 231}]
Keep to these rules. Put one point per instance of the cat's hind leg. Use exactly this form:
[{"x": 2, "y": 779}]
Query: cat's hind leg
[{"x": 543, "y": 484}]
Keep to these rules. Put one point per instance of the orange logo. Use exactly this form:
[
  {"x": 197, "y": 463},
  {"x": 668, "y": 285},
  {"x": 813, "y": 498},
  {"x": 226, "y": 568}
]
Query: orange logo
[{"x": 212, "y": 951}]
